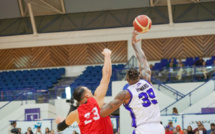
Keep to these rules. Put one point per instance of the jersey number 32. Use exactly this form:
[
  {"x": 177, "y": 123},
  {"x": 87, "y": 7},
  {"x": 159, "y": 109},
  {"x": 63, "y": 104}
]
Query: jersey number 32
[
  {"x": 145, "y": 98},
  {"x": 95, "y": 117}
]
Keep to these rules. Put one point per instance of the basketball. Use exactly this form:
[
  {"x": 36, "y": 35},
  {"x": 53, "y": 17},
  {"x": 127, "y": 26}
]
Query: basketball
[{"x": 142, "y": 23}]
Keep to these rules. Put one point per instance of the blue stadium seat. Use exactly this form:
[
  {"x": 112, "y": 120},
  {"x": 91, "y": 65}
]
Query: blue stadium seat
[
  {"x": 157, "y": 66},
  {"x": 209, "y": 62},
  {"x": 196, "y": 58},
  {"x": 164, "y": 62},
  {"x": 47, "y": 71},
  {"x": 40, "y": 72},
  {"x": 189, "y": 61},
  {"x": 120, "y": 66},
  {"x": 62, "y": 71}
]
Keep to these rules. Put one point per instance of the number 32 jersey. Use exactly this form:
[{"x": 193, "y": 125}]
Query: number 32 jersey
[
  {"x": 90, "y": 120},
  {"x": 143, "y": 105}
]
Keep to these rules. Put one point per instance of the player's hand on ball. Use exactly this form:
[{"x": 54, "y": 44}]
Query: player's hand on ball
[
  {"x": 134, "y": 37},
  {"x": 59, "y": 120},
  {"x": 106, "y": 51}
]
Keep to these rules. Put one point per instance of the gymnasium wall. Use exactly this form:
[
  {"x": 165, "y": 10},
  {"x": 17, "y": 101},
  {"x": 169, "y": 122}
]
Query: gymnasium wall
[
  {"x": 47, "y": 111},
  {"x": 106, "y": 35},
  {"x": 179, "y": 47},
  {"x": 64, "y": 55}
]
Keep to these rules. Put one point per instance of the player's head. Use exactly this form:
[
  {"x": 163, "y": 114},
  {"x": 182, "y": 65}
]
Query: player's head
[
  {"x": 82, "y": 93},
  {"x": 132, "y": 76}
]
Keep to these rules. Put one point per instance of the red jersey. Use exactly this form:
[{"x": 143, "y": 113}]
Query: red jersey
[
  {"x": 90, "y": 120},
  {"x": 107, "y": 125}
]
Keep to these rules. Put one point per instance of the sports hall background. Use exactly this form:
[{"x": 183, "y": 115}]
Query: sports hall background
[{"x": 48, "y": 47}]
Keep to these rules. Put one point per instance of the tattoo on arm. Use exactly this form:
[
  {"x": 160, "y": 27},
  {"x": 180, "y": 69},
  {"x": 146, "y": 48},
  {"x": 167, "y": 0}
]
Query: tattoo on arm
[
  {"x": 145, "y": 71},
  {"x": 115, "y": 104}
]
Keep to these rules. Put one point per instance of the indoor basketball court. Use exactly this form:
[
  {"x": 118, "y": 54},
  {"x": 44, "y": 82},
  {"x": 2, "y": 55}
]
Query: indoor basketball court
[{"x": 48, "y": 48}]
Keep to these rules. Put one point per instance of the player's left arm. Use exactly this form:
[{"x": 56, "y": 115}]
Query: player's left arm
[
  {"x": 145, "y": 71},
  {"x": 70, "y": 119},
  {"x": 109, "y": 108}
]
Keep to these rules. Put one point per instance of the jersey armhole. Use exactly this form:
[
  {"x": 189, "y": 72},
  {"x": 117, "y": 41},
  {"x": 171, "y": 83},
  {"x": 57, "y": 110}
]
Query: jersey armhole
[{"x": 130, "y": 98}]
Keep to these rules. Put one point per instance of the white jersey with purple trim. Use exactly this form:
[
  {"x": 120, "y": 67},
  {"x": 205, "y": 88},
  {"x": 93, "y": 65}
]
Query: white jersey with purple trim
[{"x": 143, "y": 105}]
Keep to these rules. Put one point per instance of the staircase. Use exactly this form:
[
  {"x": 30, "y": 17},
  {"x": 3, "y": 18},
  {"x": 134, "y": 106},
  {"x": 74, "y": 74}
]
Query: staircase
[
  {"x": 166, "y": 89},
  {"x": 192, "y": 97}
]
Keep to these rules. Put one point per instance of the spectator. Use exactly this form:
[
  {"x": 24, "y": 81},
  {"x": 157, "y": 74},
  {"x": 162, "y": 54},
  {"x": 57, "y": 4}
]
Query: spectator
[
  {"x": 167, "y": 131},
  {"x": 174, "y": 110},
  {"x": 185, "y": 131},
  {"x": 151, "y": 66},
  {"x": 174, "y": 131},
  {"x": 199, "y": 62},
  {"x": 190, "y": 130},
  {"x": 204, "y": 70},
  {"x": 212, "y": 128},
  {"x": 198, "y": 128},
  {"x": 30, "y": 131},
  {"x": 202, "y": 130},
  {"x": 47, "y": 131},
  {"x": 19, "y": 131},
  {"x": 59, "y": 132},
  {"x": 171, "y": 69},
  {"x": 197, "y": 132},
  {"x": 51, "y": 132},
  {"x": 180, "y": 72},
  {"x": 180, "y": 62},
  {"x": 171, "y": 63},
  {"x": 178, "y": 129},
  {"x": 171, "y": 127},
  {"x": 38, "y": 130},
  {"x": 13, "y": 129}
]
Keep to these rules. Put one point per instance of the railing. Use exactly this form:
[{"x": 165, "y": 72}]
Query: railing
[
  {"x": 132, "y": 62},
  {"x": 192, "y": 97},
  {"x": 16, "y": 98},
  {"x": 184, "y": 74},
  {"x": 167, "y": 90}
]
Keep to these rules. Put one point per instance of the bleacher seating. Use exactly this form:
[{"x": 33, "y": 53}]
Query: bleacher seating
[
  {"x": 29, "y": 79},
  {"x": 91, "y": 78},
  {"x": 188, "y": 73},
  {"x": 188, "y": 62}
]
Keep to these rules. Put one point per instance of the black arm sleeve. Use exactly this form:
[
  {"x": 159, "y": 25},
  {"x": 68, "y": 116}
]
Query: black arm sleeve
[
  {"x": 61, "y": 126},
  {"x": 14, "y": 130}
]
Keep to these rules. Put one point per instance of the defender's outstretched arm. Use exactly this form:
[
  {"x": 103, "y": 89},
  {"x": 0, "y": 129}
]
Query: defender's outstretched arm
[
  {"x": 106, "y": 75},
  {"x": 145, "y": 71}
]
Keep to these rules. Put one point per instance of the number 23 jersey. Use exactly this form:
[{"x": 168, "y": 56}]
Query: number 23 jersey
[
  {"x": 90, "y": 120},
  {"x": 143, "y": 105}
]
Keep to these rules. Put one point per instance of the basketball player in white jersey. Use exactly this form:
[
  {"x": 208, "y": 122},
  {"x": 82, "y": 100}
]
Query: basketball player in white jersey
[{"x": 139, "y": 98}]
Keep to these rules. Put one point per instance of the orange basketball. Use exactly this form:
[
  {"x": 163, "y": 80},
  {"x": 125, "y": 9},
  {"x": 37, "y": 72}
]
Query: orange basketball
[{"x": 142, "y": 23}]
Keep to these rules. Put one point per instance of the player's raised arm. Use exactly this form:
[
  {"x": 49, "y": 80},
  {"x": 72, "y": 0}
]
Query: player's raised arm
[
  {"x": 106, "y": 75},
  {"x": 70, "y": 119},
  {"x": 120, "y": 98},
  {"x": 145, "y": 71}
]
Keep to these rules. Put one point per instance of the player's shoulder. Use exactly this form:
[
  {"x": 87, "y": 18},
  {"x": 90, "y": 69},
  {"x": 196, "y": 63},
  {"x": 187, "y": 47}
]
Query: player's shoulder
[{"x": 145, "y": 81}]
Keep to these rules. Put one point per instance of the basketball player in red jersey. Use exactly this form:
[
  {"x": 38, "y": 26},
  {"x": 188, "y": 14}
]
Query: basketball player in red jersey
[{"x": 88, "y": 113}]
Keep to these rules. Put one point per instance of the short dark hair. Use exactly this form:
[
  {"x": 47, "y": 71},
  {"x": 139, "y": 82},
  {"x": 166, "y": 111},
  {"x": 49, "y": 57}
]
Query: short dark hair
[
  {"x": 13, "y": 122},
  {"x": 132, "y": 74},
  {"x": 212, "y": 124},
  {"x": 78, "y": 93}
]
